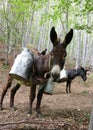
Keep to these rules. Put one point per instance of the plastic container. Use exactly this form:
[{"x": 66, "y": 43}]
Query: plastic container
[{"x": 63, "y": 75}]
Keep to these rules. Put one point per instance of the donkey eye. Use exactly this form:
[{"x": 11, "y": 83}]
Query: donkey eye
[
  {"x": 65, "y": 55},
  {"x": 52, "y": 54}
]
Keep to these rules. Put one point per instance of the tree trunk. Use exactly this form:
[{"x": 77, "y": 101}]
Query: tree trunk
[
  {"x": 91, "y": 56},
  {"x": 86, "y": 46},
  {"x": 8, "y": 30},
  {"x": 91, "y": 121},
  {"x": 84, "y": 50},
  {"x": 26, "y": 36},
  {"x": 67, "y": 19},
  {"x": 78, "y": 49}
]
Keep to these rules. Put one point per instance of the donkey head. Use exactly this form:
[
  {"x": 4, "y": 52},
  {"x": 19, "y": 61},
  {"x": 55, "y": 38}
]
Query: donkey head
[
  {"x": 83, "y": 73},
  {"x": 59, "y": 52}
]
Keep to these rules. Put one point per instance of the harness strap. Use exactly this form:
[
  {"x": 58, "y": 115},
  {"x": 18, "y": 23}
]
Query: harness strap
[{"x": 50, "y": 61}]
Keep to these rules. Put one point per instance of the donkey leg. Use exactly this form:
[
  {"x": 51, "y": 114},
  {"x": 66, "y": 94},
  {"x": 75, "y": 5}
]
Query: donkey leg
[
  {"x": 39, "y": 98},
  {"x": 13, "y": 92},
  {"x": 67, "y": 84},
  {"x": 70, "y": 87},
  {"x": 31, "y": 98},
  {"x": 8, "y": 85}
]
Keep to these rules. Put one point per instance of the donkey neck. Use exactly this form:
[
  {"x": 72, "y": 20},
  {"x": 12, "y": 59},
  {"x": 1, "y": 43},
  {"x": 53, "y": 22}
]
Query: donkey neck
[
  {"x": 42, "y": 64},
  {"x": 78, "y": 72}
]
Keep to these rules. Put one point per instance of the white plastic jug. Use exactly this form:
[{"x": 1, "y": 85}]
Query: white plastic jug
[{"x": 63, "y": 75}]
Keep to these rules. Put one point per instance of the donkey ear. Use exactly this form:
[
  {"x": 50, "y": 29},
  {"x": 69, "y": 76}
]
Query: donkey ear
[
  {"x": 87, "y": 70},
  {"x": 68, "y": 38},
  {"x": 81, "y": 67},
  {"x": 53, "y": 36}
]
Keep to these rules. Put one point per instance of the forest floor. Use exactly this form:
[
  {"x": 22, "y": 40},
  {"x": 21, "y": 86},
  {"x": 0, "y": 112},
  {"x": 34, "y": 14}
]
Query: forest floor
[{"x": 61, "y": 111}]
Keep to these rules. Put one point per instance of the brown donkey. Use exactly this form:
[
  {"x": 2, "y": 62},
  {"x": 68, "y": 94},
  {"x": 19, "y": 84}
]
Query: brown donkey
[{"x": 44, "y": 66}]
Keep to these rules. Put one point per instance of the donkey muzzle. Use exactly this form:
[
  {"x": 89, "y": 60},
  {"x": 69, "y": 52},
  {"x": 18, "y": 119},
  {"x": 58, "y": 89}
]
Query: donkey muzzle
[
  {"x": 55, "y": 77},
  {"x": 55, "y": 72},
  {"x": 85, "y": 79}
]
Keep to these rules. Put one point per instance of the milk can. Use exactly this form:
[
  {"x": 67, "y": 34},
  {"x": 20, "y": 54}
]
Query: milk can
[
  {"x": 22, "y": 66},
  {"x": 48, "y": 86}
]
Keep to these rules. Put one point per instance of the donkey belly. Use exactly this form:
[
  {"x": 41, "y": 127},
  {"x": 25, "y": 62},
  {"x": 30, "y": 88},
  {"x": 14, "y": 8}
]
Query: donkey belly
[
  {"x": 28, "y": 84},
  {"x": 25, "y": 82}
]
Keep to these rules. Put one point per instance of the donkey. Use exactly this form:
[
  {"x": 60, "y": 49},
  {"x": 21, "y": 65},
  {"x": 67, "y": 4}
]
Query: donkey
[
  {"x": 72, "y": 74},
  {"x": 44, "y": 66}
]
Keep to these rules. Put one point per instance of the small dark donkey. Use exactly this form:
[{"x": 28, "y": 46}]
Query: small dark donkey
[
  {"x": 72, "y": 74},
  {"x": 43, "y": 65}
]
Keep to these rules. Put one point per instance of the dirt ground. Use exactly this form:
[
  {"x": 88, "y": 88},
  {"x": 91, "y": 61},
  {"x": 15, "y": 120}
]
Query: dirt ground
[{"x": 61, "y": 111}]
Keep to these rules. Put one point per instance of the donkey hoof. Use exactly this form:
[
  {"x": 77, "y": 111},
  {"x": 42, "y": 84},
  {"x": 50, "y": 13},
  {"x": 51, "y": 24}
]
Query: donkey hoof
[
  {"x": 1, "y": 107},
  {"x": 29, "y": 112},
  {"x": 13, "y": 108},
  {"x": 38, "y": 114}
]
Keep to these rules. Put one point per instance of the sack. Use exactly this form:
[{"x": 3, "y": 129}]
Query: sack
[{"x": 22, "y": 66}]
